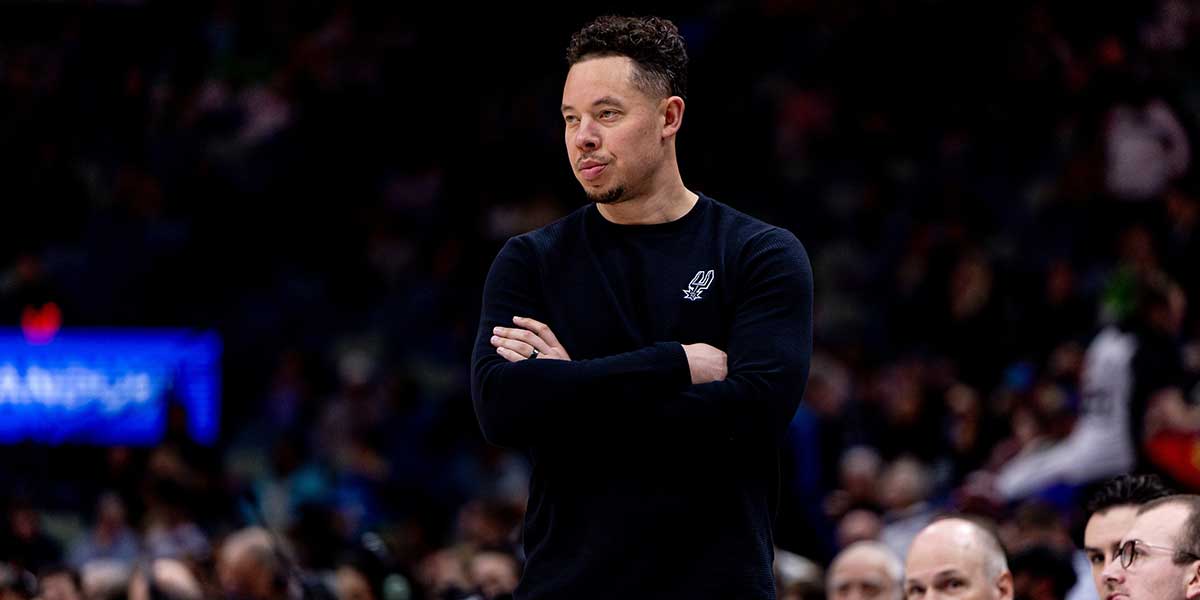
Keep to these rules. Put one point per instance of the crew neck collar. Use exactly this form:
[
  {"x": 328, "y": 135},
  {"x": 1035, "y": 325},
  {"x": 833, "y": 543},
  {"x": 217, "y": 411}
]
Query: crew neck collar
[{"x": 691, "y": 216}]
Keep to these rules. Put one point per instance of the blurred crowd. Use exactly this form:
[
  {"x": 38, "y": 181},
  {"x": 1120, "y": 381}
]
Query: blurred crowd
[{"x": 984, "y": 191}]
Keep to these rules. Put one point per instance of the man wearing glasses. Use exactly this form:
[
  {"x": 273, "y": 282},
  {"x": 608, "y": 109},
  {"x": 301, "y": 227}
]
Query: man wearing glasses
[
  {"x": 1112, "y": 511},
  {"x": 1159, "y": 557}
]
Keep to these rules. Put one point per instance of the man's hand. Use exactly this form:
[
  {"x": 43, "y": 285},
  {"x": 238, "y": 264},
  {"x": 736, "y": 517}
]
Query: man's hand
[
  {"x": 518, "y": 343},
  {"x": 706, "y": 363}
]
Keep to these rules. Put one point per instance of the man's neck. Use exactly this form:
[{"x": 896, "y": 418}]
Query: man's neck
[{"x": 663, "y": 206}]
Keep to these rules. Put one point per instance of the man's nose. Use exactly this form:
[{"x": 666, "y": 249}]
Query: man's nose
[
  {"x": 587, "y": 137},
  {"x": 1113, "y": 572}
]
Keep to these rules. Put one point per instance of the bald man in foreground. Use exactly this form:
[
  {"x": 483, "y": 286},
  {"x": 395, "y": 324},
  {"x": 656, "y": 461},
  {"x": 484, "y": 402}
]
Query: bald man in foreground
[
  {"x": 956, "y": 558},
  {"x": 865, "y": 571}
]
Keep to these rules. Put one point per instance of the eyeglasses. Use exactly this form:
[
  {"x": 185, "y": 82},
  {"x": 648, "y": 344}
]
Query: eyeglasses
[{"x": 1129, "y": 551}]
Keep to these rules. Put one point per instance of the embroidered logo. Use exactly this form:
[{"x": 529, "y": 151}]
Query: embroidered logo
[{"x": 699, "y": 283}]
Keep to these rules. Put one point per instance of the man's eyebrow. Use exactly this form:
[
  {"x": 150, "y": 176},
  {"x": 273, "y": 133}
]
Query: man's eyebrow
[
  {"x": 947, "y": 573},
  {"x": 608, "y": 100},
  {"x": 602, "y": 100}
]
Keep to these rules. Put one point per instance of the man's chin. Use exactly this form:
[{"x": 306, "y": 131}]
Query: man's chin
[{"x": 613, "y": 195}]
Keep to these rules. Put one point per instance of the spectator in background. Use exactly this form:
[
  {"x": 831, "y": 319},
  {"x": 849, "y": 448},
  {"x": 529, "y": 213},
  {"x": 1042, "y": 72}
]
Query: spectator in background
[
  {"x": 172, "y": 531},
  {"x": 494, "y": 572},
  {"x": 25, "y": 545},
  {"x": 368, "y": 572},
  {"x": 489, "y": 522},
  {"x": 1038, "y": 534},
  {"x": 16, "y": 583},
  {"x": 59, "y": 583},
  {"x": 955, "y": 557},
  {"x": 904, "y": 492},
  {"x": 111, "y": 537},
  {"x": 1147, "y": 148},
  {"x": 249, "y": 567},
  {"x": 1042, "y": 573},
  {"x": 104, "y": 579},
  {"x": 1160, "y": 554},
  {"x": 1127, "y": 367},
  {"x": 858, "y": 473},
  {"x": 859, "y": 525},
  {"x": 865, "y": 571},
  {"x": 165, "y": 579},
  {"x": 443, "y": 574},
  {"x": 1111, "y": 511},
  {"x": 796, "y": 577}
]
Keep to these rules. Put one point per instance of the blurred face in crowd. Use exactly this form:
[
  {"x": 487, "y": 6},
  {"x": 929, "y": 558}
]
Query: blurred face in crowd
[
  {"x": 171, "y": 578},
  {"x": 59, "y": 586},
  {"x": 352, "y": 585},
  {"x": 1154, "y": 574},
  {"x": 243, "y": 566},
  {"x": 618, "y": 137},
  {"x": 858, "y": 525},
  {"x": 863, "y": 572},
  {"x": 1101, "y": 538},
  {"x": 948, "y": 560},
  {"x": 111, "y": 514},
  {"x": 494, "y": 574}
]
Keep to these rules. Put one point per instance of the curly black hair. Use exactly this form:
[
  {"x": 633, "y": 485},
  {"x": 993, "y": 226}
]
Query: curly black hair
[
  {"x": 1128, "y": 489},
  {"x": 654, "y": 45}
]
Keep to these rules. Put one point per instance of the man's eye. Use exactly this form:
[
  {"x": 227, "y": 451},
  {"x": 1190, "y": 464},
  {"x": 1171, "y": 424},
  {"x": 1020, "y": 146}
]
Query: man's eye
[
  {"x": 1096, "y": 559},
  {"x": 570, "y": 119},
  {"x": 608, "y": 114}
]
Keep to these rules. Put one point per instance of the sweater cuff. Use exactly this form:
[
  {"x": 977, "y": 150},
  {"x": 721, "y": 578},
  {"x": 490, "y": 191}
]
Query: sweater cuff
[{"x": 674, "y": 359}]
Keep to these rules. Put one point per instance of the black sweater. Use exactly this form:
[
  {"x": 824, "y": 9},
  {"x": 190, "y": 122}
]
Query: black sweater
[{"x": 644, "y": 485}]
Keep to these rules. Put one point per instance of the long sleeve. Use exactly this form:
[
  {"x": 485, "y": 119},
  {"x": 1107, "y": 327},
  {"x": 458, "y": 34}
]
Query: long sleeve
[
  {"x": 770, "y": 348},
  {"x": 516, "y": 403},
  {"x": 628, "y": 455}
]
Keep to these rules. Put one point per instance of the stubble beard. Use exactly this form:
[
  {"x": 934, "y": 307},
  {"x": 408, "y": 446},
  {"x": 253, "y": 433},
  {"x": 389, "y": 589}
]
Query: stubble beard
[{"x": 614, "y": 195}]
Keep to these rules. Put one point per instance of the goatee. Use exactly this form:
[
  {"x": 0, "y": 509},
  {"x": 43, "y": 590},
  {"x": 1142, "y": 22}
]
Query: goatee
[{"x": 612, "y": 196}]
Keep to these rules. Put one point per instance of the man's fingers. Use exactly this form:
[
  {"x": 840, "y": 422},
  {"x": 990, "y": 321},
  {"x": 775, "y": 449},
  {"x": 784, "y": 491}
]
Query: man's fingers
[
  {"x": 509, "y": 355},
  {"x": 522, "y": 335},
  {"x": 541, "y": 329},
  {"x": 515, "y": 345}
]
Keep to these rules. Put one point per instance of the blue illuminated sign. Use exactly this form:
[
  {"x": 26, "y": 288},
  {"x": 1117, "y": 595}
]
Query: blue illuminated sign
[{"x": 108, "y": 386}]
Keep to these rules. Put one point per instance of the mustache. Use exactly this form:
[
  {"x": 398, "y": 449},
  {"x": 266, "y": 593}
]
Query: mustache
[{"x": 593, "y": 157}]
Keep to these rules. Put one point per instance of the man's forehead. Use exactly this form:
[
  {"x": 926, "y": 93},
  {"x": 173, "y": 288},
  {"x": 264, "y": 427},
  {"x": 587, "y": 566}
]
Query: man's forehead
[
  {"x": 593, "y": 78},
  {"x": 602, "y": 66},
  {"x": 927, "y": 561},
  {"x": 1109, "y": 525},
  {"x": 934, "y": 573},
  {"x": 1158, "y": 525},
  {"x": 863, "y": 567},
  {"x": 869, "y": 575}
]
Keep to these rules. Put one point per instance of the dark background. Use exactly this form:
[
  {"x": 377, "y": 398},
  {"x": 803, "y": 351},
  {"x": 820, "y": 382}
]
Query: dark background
[{"x": 326, "y": 183}]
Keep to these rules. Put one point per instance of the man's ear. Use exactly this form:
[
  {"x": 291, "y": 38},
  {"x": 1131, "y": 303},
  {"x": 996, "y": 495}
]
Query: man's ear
[
  {"x": 1004, "y": 586},
  {"x": 672, "y": 116},
  {"x": 1191, "y": 585}
]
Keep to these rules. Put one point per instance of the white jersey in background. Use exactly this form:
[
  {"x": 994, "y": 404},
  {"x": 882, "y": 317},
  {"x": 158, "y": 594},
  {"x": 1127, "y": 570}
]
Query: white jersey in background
[{"x": 1099, "y": 446}]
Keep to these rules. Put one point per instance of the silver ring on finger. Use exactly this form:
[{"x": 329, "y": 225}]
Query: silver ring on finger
[{"x": 533, "y": 354}]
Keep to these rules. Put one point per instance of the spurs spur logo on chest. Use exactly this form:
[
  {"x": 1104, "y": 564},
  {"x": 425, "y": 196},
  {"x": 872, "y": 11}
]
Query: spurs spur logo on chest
[{"x": 699, "y": 283}]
